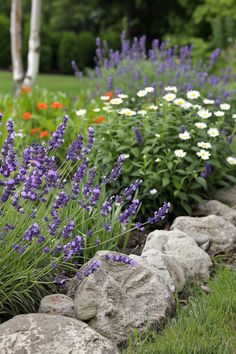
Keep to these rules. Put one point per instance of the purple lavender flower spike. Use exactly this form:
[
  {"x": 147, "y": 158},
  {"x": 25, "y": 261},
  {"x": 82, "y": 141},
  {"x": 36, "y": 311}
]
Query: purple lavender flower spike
[
  {"x": 207, "y": 171},
  {"x": 131, "y": 210},
  {"x": 160, "y": 214},
  {"x": 57, "y": 137},
  {"x": 121, "y": 259},
  {"x": 138, "y": 135},
  {"x": 67, "y": 230},
  {"x": 31, "y": 232},
  {"x": 116, "y": 170},
  {"x": 128, "y": 192}
]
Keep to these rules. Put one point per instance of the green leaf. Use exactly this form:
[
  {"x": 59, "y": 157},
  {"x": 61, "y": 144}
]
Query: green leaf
[
  {"x": 165, "y": 181},
  {"x": 202, "y": 182},
  {"x": 135, "y": 151}
]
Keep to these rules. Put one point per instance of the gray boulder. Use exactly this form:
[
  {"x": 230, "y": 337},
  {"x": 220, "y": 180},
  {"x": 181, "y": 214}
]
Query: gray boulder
[
  {"x": 57, "y": 304},
  {"x": 227, "y": 196},
  {"x": 221, "y": 233},
  {"x": 214, "y": 207},
  {"x": 41, "y": 333},
  {"x": 119, "y": 298},
  {"x": 194, "y": 262},
  {"x": 167, "y": 267}
]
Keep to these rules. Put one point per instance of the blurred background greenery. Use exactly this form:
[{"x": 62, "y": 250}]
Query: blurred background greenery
[{"x": 69, "y": 28}]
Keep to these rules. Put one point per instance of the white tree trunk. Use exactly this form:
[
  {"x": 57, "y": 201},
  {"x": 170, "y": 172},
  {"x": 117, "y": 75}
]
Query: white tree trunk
[
  {"x": 34, "y": 43},
  {"x": 16, "y": 44}
]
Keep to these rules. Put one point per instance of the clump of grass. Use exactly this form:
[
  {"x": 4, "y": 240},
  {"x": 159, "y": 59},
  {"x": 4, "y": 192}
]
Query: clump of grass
[{"x": 206, "y": 325}]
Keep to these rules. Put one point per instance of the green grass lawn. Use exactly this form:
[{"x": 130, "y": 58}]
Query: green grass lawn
[
  {"x": 206, "y": 325},
  {"x": 68, "y": 84}
]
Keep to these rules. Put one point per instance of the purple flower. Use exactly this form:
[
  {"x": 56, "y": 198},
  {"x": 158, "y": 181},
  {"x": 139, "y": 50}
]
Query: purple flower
[
  {"x": 131, "y": 210},
  {"x": 67, "y": 230},
  {"x": 116, "y": 170},
  {"x": 57, "y": 137},
  {"x": 139, "y": 226},
  {"x": 79, "y": 176},
  {"x": 73, "y": 247},
  {"x": 121, "y": 259},
  {"x": 75, "y": 149},
  {"x": 207, "y": 171},
  {"x": 32, "y": 231},
  {"x": 160, "y": 214},
  {"x": 138, "y": 135},
  {"x": 128, "y": 192},
  {"x": 91, "y": 268}
]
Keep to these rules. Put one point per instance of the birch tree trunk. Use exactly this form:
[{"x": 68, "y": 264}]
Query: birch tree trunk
[
  {"x": 34, "y": 43},
  {"x": 16, "y": 45}
]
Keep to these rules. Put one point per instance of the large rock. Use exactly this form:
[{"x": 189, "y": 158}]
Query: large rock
[
  {"x": 193, "y": 260},
  {"x": 57, "y": 304},
  {"x": 222, "y": 234},
  {"x": 214, "y": 207},
  {"x": 227, "y": 196},
  {"x": 49, "y": 334},
  {"x": 119, "y": 298},
  {"x": 167, "y": 267}
]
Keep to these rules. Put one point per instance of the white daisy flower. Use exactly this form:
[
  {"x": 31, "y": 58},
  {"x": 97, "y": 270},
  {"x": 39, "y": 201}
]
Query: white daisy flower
[
  {"x": 231, "y": 160},
  {"x": 207, "y": 101},
  {"x": 204, "y": 113},
  {"x": 225, "y": 106},
  {"x": 153, "y": 191},
  {"x": 116, "y": 101},
  {"x": 80, "y": 112},
  {"x": 97, "y": 110},
  {"x": 157, "y": 135},
  {"x": 142, "y": 113},
  {"x": 169, "y": 97},
  {"x": 187, "y": 105},
  {"x": 179, "y": 101},
  {"x": 158, "y": 160},
  {"x": 19, "y": 135},
  {"x": 197, "y": 106},
  {"x": 122, "y": 96},
  {"x": 142, "y": 93},
  {"x": 153, "y": 107},
  {"x": 193, "y": 94},
  {"x": 171, "y": 88},
  {"x": 201, "y": 125},
  {"x": 204, "y": 145},
  {"x": 219, "y": 113},
  {"x": 185, "y": 135},
  {"x": 180, "y": 153},
  {"x": 105, "y": 98},
  {"x": 213, "y": 132},
  {"x": 234, "y": 116},
  {"x": 149, "y": 89},
  {"x": 203, "y": 154},
  {"x": 127, "y": 112},
  {"x": 107, "y": 109}
]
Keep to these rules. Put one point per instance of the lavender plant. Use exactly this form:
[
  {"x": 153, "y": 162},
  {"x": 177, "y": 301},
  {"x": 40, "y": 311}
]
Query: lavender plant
[{"x": 54, "y": 218}]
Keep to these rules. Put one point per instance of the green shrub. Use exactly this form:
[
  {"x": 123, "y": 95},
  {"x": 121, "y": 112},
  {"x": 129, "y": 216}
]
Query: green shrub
[
  {"x": 86, "y": 49},
  {"x": 67, "y": 51},
  {"x": 5, "y": 50}
]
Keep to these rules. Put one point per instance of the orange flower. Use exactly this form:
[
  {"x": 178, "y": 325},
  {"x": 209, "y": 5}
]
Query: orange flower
[
  {"x": 44, "y": 134},
  {"x": 42, "y": 105},
  {"x": 27, "y": 115},
  {"x": 26, "y": 89},
  {"x": 109, "y": 94},
  {"x": 35, "y": 130},
  {"x": 99, "y": 120},
  {"x": 56, "y": 104}
]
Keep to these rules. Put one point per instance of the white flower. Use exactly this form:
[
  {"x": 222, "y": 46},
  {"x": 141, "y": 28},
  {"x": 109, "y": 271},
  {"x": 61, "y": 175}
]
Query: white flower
[
  {"x": 126, "y": 156},
  {"x": 97, "y": 110},
  {"x": 203, "y": 154},
  {"x": 204, "y": 113},
  {"x": 187, "y": 105},
  {"x": 116, "y": 101},
  {"x": 105, "y": 98},
  {"x": 158, "y": 160},
  {"x": 193, "y": 94},
  {"x": 157, "y": 135},
  {"x": 169, "y": 97},
  {"x": 81, "y": 112},
  {"x": 19, "y": 135},
  {"x": 107, "y": 109},
  {"x": 171, "y": 88},
  {"x": 204, "y": 145},
  {"x": 207, "y": 101},
  {"x": 153, "y": 107},
  {"x": 185, "y": 135},
  {"x": 127, "y": 112},
  {"x": 197, "y": 106},
  {"x": 219, "y": 113},
  {"x": 201, "y": 125},
  {"x": 179, "y": 101},
  {"x": 142, "y": 113},
  {"x": 122, "y": 96},
  {"x": 234, "y": 116},
  {"x": 213, "y": 132},
  {"x": 225, "y": 106},
  {"x": 180, "y": 153},
  {"x": 231, "y": 160},
  {"x": 153, "y": 191},
  {"x": 142, "y": 93},
  {"x": 149, "y": 89}
]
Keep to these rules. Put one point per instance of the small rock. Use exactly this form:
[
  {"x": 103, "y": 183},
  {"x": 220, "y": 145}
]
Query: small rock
[
  {"x": 57, "y": 304},
  {"x": 227, "y": 196},
  {"x": 119, "y": 298},
  {"x": 221, "y": 233},
  {"x": 42, "y": 333},
  {"x": 193, "y": 260},
  {"x": 214, "y": 207},
  {"x": 205, "y": 288}
]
